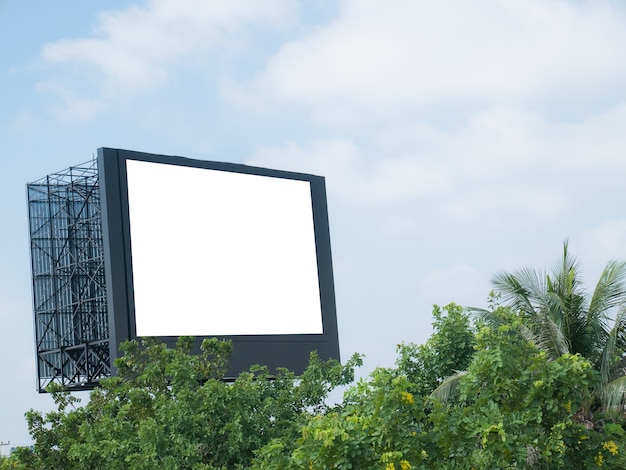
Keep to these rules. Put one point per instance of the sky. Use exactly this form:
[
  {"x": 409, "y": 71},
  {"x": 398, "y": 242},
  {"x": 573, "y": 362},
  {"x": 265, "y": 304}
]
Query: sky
[{"x": 458, "y": 139}]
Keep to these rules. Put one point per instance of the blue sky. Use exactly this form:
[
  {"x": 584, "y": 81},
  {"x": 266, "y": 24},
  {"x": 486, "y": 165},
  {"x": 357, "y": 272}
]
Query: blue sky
[{"x": 457, "y": 138}]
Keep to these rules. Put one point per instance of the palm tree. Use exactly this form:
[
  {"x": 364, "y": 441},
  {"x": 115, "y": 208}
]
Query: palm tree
[{"x": 562, "y": 318}]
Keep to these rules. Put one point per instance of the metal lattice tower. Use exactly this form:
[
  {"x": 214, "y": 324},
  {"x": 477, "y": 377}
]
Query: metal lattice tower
[{"x": 69, "y": 289}]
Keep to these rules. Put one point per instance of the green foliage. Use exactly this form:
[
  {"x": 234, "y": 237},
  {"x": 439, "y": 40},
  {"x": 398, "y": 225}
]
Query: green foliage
[
  {"x": 169, "y": 409},
  {"x": 21, "y": 459},
  {"x": 376, "y": 425},
  {"x": 515, "y": 406},
  {"x": 449, "y": 349},
  {"x": 562, "y": 318}
]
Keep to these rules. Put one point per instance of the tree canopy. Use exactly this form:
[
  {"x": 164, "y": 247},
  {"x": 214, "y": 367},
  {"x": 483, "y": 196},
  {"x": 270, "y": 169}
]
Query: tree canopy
[
  {"x": 170, "y": 409},
  {"x": 518, "y": 402},
  {"x": 562, "y": 318}
]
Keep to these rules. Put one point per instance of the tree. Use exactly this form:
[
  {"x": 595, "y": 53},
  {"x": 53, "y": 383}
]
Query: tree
[
  {"x": 448, "y": 350},
  {"x": 170, "y": 409},
  {"x": 514, "y": 409},
  {"x": 376, "y": 426},
  {"x": 562, "y": 318},
  {"x": 515, "y": 406}
]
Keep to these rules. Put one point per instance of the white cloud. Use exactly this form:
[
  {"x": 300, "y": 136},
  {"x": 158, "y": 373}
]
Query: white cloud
[
  {"x": 500, "y": 142},
  {"x": 73, "y": 106},
  {"x": 506, "y": 162},
  {"x": 500, "y": 164},
  {"x": 502, "y": 167},
  {"x": 498, "y": 205},
  {"x": 385, "y": 57},
  {"x": 365, "y": 183},
  {"x": 134, "y": 49}
]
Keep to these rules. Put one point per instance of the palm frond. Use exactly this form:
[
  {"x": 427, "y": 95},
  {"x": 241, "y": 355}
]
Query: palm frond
[
  {"x": 567, "y": 273},
  {"x": 446, "y": 389},
  {"x": 529, "y": 335},
  {"x": 522, "y": 290},
  {"x": 612, "y": 363},
  {"x": 549, "y": 336},
  {"x": 568, "y": 310},
  {"x": 610, "y": 290},
  {"x": 613, "y": 395},
  {"x": 486, "y": 317},
  {"x": 618, "y": 369}
]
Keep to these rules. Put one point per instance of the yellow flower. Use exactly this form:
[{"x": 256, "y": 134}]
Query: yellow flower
[
  {"x": 404, "y": 465},
  {"x": 611, "y": 447},
  {"x": 599, "y": 459},
  {"x": 568, "y": 406},
  {"x": 407, "y": 398},
  {"x": 390, "y": 466}
]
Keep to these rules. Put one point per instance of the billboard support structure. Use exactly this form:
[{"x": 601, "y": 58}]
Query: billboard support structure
[
  {"x": 138, "y": 245},
  {"x": 69, "y": 290}
]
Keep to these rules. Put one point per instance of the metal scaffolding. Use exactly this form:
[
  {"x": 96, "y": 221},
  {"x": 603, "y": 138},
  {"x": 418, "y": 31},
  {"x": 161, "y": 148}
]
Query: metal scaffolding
[{"x": 69, "y": 289}]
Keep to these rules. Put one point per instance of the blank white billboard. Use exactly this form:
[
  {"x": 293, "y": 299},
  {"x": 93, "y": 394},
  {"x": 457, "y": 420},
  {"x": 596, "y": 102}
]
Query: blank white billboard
[{"x": 218, "y": 253}]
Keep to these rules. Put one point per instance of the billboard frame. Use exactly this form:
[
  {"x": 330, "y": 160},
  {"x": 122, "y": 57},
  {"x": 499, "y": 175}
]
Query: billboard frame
[{"x": 273, "y": 350}]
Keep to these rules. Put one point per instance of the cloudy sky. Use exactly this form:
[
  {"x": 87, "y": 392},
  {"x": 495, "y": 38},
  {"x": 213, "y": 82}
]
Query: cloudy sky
[{"x": 457, "y": 138}]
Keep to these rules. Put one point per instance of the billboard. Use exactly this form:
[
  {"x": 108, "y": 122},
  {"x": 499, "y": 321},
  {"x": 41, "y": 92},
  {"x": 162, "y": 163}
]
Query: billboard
[{"x": 213, "y": 249}]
